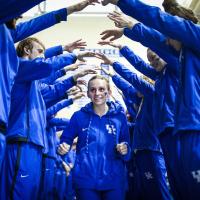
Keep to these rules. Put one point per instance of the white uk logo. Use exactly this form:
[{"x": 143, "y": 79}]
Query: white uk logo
[
  {"x": 196, "y": 175},
  {"x": 111, "y": 129},
  {"x": 148, "y": 175}
]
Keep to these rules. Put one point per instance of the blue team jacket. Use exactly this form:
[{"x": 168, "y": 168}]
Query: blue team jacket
[
  {"x": 187, "y": 114},
  {"x": 50, "y": 52},
  {"x": 9, "y": 60},
  {"x": 130, "y": 94},
  {"x": 144, "y": 134},
  {"x": 8, "y": 70},
  {"x": 98, "y": 165},
  {"x": 166, "y": 84},
  {"x": 27, "y": 120}
]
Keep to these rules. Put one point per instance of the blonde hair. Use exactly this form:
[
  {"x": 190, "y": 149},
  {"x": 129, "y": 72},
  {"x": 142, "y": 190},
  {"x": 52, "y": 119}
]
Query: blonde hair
[
  {"x": 148, "y": 79},
  {"x": 101, "y": 78},
  {"x": 172, "y": 7}
]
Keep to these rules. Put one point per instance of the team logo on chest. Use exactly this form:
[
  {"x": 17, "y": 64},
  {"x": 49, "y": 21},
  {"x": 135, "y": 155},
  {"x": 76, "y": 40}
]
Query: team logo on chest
[
  {"x": 196, "y": 175},
  {"x": 111, "y": 129}
]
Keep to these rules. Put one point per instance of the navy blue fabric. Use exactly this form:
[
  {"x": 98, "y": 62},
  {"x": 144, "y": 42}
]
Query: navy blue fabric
[
  {"x": 84, "y": 194},
  {"x": 169, "y": 146},
  {"x": 13, "y": 8},
  {"x": 152, "y": 175},
  {"x": 186, "y": 155}
]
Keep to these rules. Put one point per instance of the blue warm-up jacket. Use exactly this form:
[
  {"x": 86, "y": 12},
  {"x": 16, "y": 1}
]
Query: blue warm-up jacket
[
  {"x": 144, "y": 134},
  {"x": 98, "y": 165},
  {"x": 187, "y": 114}
]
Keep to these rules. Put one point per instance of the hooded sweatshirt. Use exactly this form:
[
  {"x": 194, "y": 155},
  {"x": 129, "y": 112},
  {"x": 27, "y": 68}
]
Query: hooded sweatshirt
[{"x": 98, "y": 165}]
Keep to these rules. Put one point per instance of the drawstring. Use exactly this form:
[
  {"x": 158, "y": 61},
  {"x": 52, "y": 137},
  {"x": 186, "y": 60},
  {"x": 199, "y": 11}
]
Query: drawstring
[
  {"x": 114, "y": 133},
  {"x": 87, "y": 136},
  {"x": 140, "y": 107}
]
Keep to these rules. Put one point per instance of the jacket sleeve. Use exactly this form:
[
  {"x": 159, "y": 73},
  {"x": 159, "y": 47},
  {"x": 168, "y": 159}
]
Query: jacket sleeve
[
  {"x": 59, "y": 121},
  {"x": 138, "y": 63},
  {"x": 53, "y": 51},
  {"x": 30, "y": 70},
  {"x": 60, "y": 61},
  {"x": 156, "y": 41},
  {"x": 138, "y": 83},
  {"x": 25, "y": 29},
  {"x": 130, "y": 107},
  {"x": 127, "y": 89},
  {"x": 71, "y": 131},
  {"x": 53, "y": 92},
  {"x": 53, "y": 77},
  {"x": 60, "y": 105},
  {"x": 10, "y": 9},
  {"x": 174, "y": 27}
]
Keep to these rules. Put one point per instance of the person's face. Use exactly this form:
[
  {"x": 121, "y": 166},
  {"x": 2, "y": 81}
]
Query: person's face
[
  {"x": 36, "y": 52},
  {"x": 174, "y": 43},
  {"x": 155, "y": 61},
  {"x": 98, "y": 91}
]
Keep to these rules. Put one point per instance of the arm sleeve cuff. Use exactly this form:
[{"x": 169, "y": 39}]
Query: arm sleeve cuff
[{"x": 61, "y": 15}]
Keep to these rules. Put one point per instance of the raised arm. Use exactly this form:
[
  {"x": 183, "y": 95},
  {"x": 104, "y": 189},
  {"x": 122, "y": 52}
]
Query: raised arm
[
  {"x": 127, "y": 89},
  {"x": 139, "y": 84},
  {"x": 58, "y": 106},
  {"x": 53, "y": 51},
  {"x": 26, "y": 29},
  {"x": 54, "y": 92},
  {"x": 137, "y": 62},
  {"x": 186, "y": 31},
  {"x": 10, "y": 9},
  {"x": 63, "y": 104},
  {"x": 70, "y": 47}
]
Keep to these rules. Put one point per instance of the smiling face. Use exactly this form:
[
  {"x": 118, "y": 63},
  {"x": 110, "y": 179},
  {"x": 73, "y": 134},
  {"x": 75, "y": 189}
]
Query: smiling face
[{"x": 98, "y": 91}]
